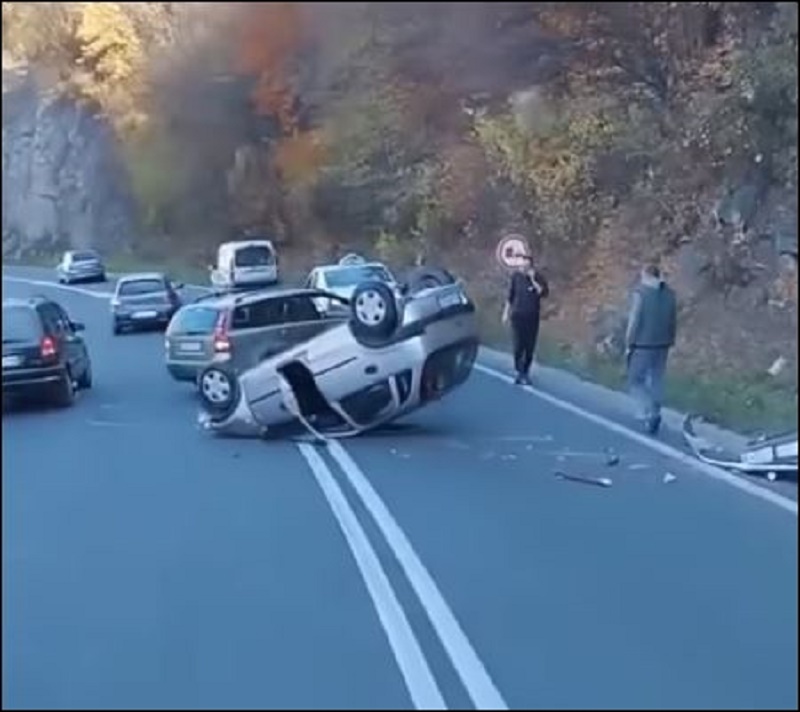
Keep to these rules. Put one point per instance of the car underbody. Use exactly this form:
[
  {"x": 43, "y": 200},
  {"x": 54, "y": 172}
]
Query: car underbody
[{"x": 768, "y": 455}]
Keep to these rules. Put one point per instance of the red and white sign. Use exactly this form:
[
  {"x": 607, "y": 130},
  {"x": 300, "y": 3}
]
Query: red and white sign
[{"x": 511, "y": 251}]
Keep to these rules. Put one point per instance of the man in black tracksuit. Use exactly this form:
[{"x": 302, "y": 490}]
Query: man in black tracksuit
[{"x": 528, "y": 287}]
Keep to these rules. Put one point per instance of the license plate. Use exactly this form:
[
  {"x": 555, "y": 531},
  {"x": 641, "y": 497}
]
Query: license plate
[
  {"x": 190, "y": 348},
  {"x": 11, "y": 361},
  {"x": 449, "y": 300},
  {"x": 145, "y": 314}
]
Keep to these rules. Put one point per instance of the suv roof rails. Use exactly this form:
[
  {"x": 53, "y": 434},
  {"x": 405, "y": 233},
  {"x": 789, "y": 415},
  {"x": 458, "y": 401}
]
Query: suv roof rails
[{"x": 205, "y": 297}]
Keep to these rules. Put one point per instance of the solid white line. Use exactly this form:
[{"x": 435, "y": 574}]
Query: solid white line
[
  {"x": 476, "y": 680},
  {"x": 657, "y": 446},
  {"x": 410, "y": 659},
  {"x": 67, "y": 287}
]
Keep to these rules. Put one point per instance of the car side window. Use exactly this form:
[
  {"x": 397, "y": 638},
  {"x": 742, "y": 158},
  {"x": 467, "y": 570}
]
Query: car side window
[
  {"x": 301, "y": 308},
  {"x": 269, "y": 312}
]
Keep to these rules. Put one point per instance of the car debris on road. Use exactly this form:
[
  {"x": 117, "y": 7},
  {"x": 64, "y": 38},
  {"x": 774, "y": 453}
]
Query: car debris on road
[
  {"x": 597, "y": 481},
  {"x": 766, "y": 455}
]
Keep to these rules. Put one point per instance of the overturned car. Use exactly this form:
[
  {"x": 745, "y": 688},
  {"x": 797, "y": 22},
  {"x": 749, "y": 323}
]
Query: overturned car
[
  {"x": 766, "y": 455},
  {"x": 392, "y": 354}
]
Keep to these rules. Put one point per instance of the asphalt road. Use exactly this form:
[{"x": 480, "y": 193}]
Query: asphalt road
[{"x": 437, "y": 565}]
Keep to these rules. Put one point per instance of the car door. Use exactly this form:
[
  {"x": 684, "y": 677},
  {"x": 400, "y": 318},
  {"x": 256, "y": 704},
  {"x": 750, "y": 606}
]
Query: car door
[
  {"x": 69, "y": 340},
  {"x": 303, "y": 320},
  {"x": 257, "y": 331}
]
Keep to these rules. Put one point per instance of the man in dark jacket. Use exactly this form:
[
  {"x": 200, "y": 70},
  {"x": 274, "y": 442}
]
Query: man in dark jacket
[
  {"x": 652, "y": 324},
  {"x": 523, "y": 309}
]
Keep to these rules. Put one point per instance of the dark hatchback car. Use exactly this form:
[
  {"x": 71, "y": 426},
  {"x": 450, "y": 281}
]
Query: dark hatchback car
[
  {"x": 43, "y": 352},
  {"x": 144, "y": 301}
]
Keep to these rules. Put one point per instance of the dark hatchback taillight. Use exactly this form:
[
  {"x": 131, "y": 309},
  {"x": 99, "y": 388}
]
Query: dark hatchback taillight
[{"x": 48, "y": 349}]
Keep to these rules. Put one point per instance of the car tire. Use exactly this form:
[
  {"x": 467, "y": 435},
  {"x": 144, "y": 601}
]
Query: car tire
[
  {"x": 65, "y": 391},
  {"x": 102, "y": 278},
  {"x": 374, "y": 314},
  {"x": 85, "y": 381},
  {"x": 116, "y": 329},
  {"x": 427, "y": 278},
  {"x": 219, "y": 390}
]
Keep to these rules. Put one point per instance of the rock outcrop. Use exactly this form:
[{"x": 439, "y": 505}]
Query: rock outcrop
[{"x": 63, "y": 182}]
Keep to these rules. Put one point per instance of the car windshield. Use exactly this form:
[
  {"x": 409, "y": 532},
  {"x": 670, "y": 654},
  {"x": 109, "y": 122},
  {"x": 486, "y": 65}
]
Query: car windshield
[
  {"x": 136, "y": 287},
  {"x": 194, "y": 321},
  {"x": 254, "y": 256},
  {"x": 20, "y": 324},
  {"x": 85, "y": 256},
  {"x": 349, "y": 276}
]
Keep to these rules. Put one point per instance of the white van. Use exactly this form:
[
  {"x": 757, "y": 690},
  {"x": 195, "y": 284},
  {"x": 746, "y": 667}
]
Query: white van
[{"x": 245, "y": 263}]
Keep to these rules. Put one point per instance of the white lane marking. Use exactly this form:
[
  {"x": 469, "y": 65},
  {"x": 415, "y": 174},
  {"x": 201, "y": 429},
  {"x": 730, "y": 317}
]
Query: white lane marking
[
  {"x": 410, "y": 659},
  {"x": 656, "y": 445},
  {"x": 56, "y": 285},
  {"x": 476, "y": 680}
]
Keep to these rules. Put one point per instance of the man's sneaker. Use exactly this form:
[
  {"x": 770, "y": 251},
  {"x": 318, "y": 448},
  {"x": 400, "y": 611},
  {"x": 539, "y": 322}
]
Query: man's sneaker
[
  {"x": 652, "y": 425},
  {"x": 519, "y": 380},
  {"x": 526, "y": 381}
]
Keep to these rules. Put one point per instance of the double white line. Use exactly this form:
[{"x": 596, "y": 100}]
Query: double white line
[{"x": 419, "y": 679}]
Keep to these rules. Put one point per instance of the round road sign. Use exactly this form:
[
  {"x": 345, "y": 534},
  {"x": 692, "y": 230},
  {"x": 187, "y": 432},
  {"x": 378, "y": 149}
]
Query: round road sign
[{"x": 511, "y": 251}]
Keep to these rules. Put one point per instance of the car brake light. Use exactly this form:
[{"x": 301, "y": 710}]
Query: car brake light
[
  {"x": 222, "y": 344},
  {"x": 48, "y": 348}
]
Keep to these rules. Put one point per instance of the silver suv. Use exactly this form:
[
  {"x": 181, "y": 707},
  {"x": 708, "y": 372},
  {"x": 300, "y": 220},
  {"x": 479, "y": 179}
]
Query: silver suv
[{"x": 391, "y": 356}]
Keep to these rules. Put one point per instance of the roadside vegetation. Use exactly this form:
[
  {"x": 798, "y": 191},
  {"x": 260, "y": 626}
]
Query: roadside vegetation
[{"x": 607, "y": 133}]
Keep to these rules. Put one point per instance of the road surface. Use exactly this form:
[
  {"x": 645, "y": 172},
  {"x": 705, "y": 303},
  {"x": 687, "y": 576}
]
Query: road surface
[{"x": 437, "y": 565}]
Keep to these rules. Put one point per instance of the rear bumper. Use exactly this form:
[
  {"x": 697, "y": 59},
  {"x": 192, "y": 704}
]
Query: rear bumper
[
  {"x": 162, "y": 318},
  {"x": 184, "y": 371},
  {"x": 24, "y": 379},
  {"x": 82, "y": 275}
]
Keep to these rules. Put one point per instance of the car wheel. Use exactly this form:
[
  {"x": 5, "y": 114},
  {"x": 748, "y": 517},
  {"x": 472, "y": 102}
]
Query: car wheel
[
  {"x": 373, "y": 311},
  {"x": 116, "y": 328},
  {"x": 85, "y": 381},
  {"x": 65, "y": 391},
  {"x": 219, "y": 390},
  {"x": 428, "y": 278},
  {"x": 102, "y": 277}
]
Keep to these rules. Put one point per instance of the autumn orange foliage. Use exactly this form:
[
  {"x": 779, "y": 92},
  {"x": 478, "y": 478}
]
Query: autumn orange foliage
[
  {"x": 271, "y": 35},
  {"x": 299, "y": 157}
]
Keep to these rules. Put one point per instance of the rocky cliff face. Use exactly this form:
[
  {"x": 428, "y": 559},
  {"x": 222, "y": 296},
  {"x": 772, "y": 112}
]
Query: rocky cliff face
[{"x": 63, "y": 185}]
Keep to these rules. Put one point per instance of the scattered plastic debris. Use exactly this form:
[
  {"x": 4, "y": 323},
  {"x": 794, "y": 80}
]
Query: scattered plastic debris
[
  {"x": 772, "y": 476},
  {"x": 597, "y": 481},
  {"x": 508, "y": 457},
  {"x": 669, "y": 477},
  {"x": 612, "y": 458},
  {"x": 638, "y": 466}
]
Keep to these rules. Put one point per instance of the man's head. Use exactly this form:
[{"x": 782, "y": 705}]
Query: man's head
[
  {"x": 526, "y": 263},
  {"x": 651, "y": 272}
]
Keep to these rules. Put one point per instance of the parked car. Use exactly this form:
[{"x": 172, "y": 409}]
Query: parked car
[
  {"x": 81, "y": 266},
  {"x": 244, "y": 264},
  {"x": 343, "y": 278},
  {"x": 391, "y": 356},
  {"x": 239, "y": 329},
  {"x": 43, "y": 352},
  {"x": 147, "y": 300}
]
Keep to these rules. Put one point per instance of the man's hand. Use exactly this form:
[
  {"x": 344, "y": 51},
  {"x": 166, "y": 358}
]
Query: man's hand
[{"x": 504, "y": 317}]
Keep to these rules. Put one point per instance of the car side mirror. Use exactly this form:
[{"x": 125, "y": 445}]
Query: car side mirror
[
  {"x": 78, "y": 326},
  {"x": 178, "y": 285}
]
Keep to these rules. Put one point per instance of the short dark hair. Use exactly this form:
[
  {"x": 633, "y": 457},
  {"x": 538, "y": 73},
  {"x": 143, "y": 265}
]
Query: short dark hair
[{"x": 652, "y": 270}]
